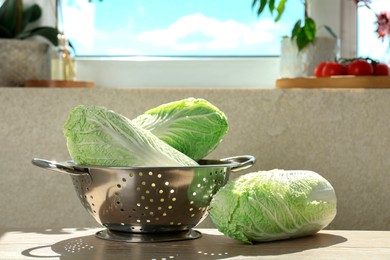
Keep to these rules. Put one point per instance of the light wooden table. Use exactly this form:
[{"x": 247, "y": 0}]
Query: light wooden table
[{"x": 82, "y": 244}]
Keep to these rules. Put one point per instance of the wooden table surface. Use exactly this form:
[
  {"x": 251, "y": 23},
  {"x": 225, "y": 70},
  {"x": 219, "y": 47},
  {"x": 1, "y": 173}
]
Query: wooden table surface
[{"x": 82, "y": 244}]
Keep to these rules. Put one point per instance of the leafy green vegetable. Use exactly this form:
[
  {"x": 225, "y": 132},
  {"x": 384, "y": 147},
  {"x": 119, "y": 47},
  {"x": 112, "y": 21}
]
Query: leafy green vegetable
[
  {"x": 273, "y": 205},
  {"x": 193, "y": 126},
  {"x": 100, "y": 137}
]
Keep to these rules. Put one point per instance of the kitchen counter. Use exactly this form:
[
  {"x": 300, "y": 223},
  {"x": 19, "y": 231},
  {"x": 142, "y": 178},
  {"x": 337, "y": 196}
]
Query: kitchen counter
[{"x": 81, "y": 243}]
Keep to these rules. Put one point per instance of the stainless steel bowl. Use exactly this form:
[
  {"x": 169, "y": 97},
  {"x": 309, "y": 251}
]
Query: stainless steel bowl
[{"x": 143, "y": 204}]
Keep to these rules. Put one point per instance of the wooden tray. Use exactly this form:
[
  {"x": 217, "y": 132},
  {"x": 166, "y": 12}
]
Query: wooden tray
[
  {"x": 59, "y": 84},
  {"x": 335, "y": 82}
]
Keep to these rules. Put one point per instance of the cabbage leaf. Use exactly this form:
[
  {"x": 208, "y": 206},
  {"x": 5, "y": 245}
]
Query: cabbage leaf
[
  {"x": 97, "y": 136},
  {"x": 273, "y": 205},
  {"x": 193, "y": 126}
]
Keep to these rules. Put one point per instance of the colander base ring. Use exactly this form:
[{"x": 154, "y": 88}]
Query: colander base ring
[{"x": 127, "y": 237}]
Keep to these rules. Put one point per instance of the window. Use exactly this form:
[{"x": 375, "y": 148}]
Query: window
[
  {"x": 175, "y": 28},
  {"x": 227, "y": 70}
]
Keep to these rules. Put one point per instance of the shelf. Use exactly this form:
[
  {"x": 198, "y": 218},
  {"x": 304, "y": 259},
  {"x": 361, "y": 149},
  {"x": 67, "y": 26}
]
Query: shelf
[
  {"x": 59, "y": 84},
  {"x": 335, "y": 82}
]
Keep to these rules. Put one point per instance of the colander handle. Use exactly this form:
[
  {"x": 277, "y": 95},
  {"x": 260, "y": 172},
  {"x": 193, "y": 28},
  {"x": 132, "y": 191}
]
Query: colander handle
[
  {"x": 58, "y": 167},
  {"x": 243, "y": 162}
]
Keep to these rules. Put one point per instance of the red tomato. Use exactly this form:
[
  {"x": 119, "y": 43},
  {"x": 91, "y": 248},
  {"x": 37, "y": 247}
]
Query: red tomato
[
  {"x": 319, "y": 68},
  {"x": 334, "y": 69},
  {"x": 381, "y": 69},
  {"x": 360, "y": 68}
]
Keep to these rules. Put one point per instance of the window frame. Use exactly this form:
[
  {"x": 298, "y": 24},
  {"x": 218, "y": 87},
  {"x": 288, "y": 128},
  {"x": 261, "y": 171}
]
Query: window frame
[{"x": 210, "y": 72}]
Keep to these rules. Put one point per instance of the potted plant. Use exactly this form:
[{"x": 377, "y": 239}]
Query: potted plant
[
  {"x": 22, "y": 59},
  {"x": 303, "y": 50}
]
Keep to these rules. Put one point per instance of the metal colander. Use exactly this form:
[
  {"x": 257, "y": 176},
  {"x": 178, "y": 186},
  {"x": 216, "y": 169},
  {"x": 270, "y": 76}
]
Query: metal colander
[{"x": 143, "y": 204}]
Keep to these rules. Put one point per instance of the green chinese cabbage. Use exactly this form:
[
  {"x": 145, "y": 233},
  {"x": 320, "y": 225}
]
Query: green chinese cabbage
[
  {"x": 192, "y": 126},
  {"x": 100, "y": 137},
  {"x": 273, "y": 205}
]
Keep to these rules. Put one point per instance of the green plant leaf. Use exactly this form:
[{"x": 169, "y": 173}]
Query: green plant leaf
[
  {"x": 8, "y": 15},
  {"x": 310, "y": 29},
  {"x": 304, "y": 34},
  {"x": 51, "y": 34},
  {"x": 254, "y": 3},
  {"x": 4, "y": 33},
  {"x": 271, "y": 6},
  {"x": 280, "y": 9},
  {"x": 14, "y": 19},
  {"x": 72, "y": 47},
  {"x": 330, "y": 31},
  {"x": 31, "y": 14},
  {"x": 296, "y": 29},
  {"x": 302, "y": 40},
  {"x": 263, "y": 3}
]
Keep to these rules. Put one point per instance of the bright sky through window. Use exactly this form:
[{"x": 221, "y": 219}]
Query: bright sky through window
[{"x": 175, "y": 28}]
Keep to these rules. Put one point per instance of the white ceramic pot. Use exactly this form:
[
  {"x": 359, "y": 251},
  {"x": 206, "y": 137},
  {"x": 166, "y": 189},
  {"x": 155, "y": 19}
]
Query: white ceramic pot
[
  {"x": 23, "y": 60},
  {"x": 295, "y": 64}
]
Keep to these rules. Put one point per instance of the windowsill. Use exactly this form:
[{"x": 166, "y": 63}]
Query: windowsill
[{"x": 179, "y": 72}]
